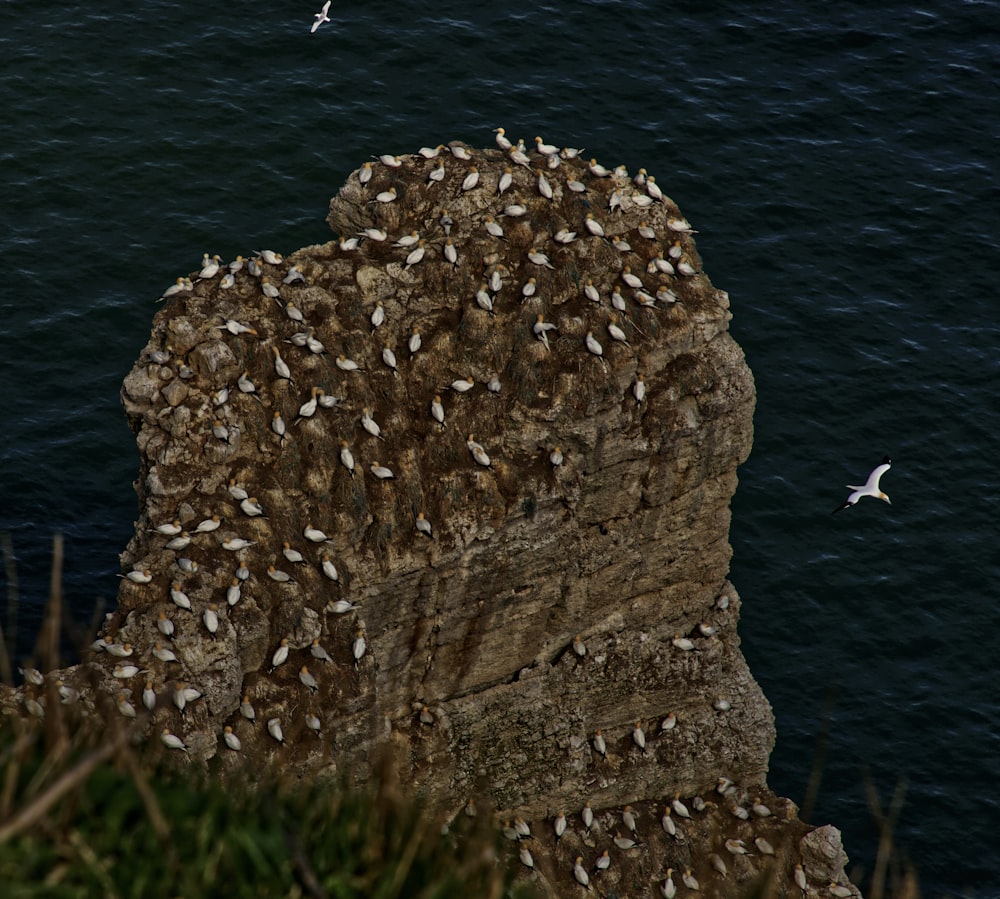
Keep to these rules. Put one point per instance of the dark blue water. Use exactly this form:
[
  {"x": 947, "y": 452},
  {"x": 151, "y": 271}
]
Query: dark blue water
[{"x": 840, "y": 164}]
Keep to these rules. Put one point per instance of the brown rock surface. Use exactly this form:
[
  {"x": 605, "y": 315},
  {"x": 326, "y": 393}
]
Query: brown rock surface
[{"x": 470, "y": 672}]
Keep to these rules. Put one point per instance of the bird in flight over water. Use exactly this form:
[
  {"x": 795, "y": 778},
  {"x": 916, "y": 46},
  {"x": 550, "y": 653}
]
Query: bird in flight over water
[
  {"x": 870, "y": 487},
  {"x": 321, "y": 17}
]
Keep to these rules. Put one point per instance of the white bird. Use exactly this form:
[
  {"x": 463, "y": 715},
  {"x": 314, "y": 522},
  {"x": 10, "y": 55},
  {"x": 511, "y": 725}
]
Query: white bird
[
  {"x": 423, "y": 525},
  {"x": 171, "y": 741},
  {"x": 346, "y": 457},
  {"x": 478, "y": 453},
  {"x": 389, "y": 358},
  {"x": 683, "y": 643},
  {"x": 381, "y": 472},
  {"x": 247, "y": 709},
  {"x": 179, "y": 597},
  {"x": 164, "y": 625},
  {"x": 556, "y": 458},
  {"x": 386, "y": 196},
  {"x": 597, "y": 169},
  {"x": 307, "y": 679},
  {"x": 341, "y": 607},
  {"x": 582, "y": 877},
  {"x": 502, "y": 142},
  {"x": 149, "y": 696},
  {"x": 639, "y": 388},
  {"x": 541, "y": 328},
  {"x": 576, "y": 186},
  {"x": 437, "y": 410},
  {"x": 870, "y": 488},
  {"x": 524, "y": 853},
  {"x": 679, "y": 806},
  {"x": 472, "y": 179},
  {"x": 345, "y": 364},
  {"x": 274, "y": 729},
  {"x": 483, "y": 299},
  {"x": 668, "y": 888},
  {"x": 539, "y": 258},
  {"x": 603, "y": 861},
  {"x": 587, "y": 815},
  {"x": 544, "y": 188},
  {"x": 593, "y": 346},
  {"x": 628, "y": 818},
  {"x": 251, "y": 507},
  {"x": 462, "y": 385},
  {"x": 414, "y": 342},
  {"x": 209, "y": 524},
  {"x": 234, "y": 544},
  {"x": 359, "y": 645},
  {"x": 416, "y": 254},
  {"x": 314, "y": 535},
  {"x": 593, "y": 226},
  {"x": 624, "y": 843},
  {"x": 233, "y": 592},
  {"x": 559, "y": 825},
  {"x": 329, "y": 569},
  {"x": 280, "y": 655},
  {"x": 799, "y": 875},
  {"x": 639, "y": 735},
  {"x": 231, "y": 740},
  {"x": 689, "y": 880},
  {"x": 276, "y": 574},
  {"x": 616, "y": 332},
  {"x": 138, "y": 577},
  {"x": 668, "y": 822},
  {"x": 370, "y": 425}
]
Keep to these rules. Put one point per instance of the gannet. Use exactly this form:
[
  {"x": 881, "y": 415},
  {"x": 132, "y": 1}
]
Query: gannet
[
  {"x": 621, "y": 245},
  {"x": 493, "y": 385},
  {"x": 314, "y": 724},
  {"x": 524, "y": 853},
  {"x": 600, "y": 745},
  {"x": 346, "y": 457},
  {"x": 416, "y": 254},
  {"x": 348, "y": 243},
  {"x": 799, "y": 875},
  {"x": 318, "y": 652},
  {"x": 519, "y": 157},
  {"x": 639, "y": 388},
  {"x": 722, "y": 705},
  {"x": 539, "y": 258},
  {"x": 642, "y": 201},
  {"x": 307, "y": 679},
  {"x": 124, "y": 706},
  {"x": 478, "y": 453},
  {"x": 556, "y": 459},
  {"x": 668, "y": 888},
  {"x": 254, "y": 267},
  {"x": 587, "y": 815},
  {"x": 597, "y": 169},
  {"x": 505, "y": 180},
  {"x": 592, "y": 225},
  {"x": 219, "y": 430},
  {"x": 592, "y": 345},
  {"x": 471, "y": 179},
  {"x": 462, "y": 385},
  {"x": 759, "y": 809},
  {"x": 501, "y": 140},
  {"x": 676, "y": 224},
  {"x": 544, "y": 188},
  {"x": 125, "y": 671},
  {"x": 345, "y": 364},
  {"x": 211, "y": 619},
  {"x": 268, "y": 289},
  {"x": 669, "y": 723},
  {"x": 870, "y": 488},
  {"x": 679, "y": 806},
  {"x": 247, "y": 709},
  {"x": 280, "y": 655},
  {"x": 138, "y": 577},
  {"x": 378, "y": 315},
  {"x": 208, "y": 525},
  {"x": 459, "y": 152},
  {"x": 294, "y": 274},
  {"x": 689, "y": 880},
  {"x": 591, "y": 292},
  {"x": 493, "y": 227},
  {"x": 381, "y": 472},
  {"x": 149, "y": 696},
  {"x": 667, "y": 822},
  {"x": 236, "y": 328},
  {"x": 735, "y": 847},
  {"x": 278, "y": 425},
  {"x": 320, "y": 17},
  {"x": 564, "y": 236},
  {"x": 437, "y": 173},
  {"x": 170, "y": 529},
  {"x": 314, "y": 535},
  {"x": 164, "y": 654},
  {"x": 616, "y": 332},
  {"x": 559, "y": 824},
  {"x": 341, "y": 607},
  {"x": 423, "y": 525},
  {"x": 171, "y": 741},
  {"x": 483, "y": 299},
  {"x": 389, "y": 358},
  {"x": 244, "y": 383},
  {"x": 228, "y": 280},
  {"x": 231, "y": 740},
  {"x": 327, "y": 400},
  {"x": 431, "y": 152},
  {"x": 739, "y": 812},
  {"x": 386, "y": 196},
  {"x": 437, "y": 410},
  {"x": 276, "y": 574},
  {"x": 308, "y": 408},
  {"x": 582, "y": 877},
  {"x": 639, "y": 735},
  {"x": 179, "y": 597},
  {"x": 274, "y": 729},
  {"x": 449, "y": 252},
  {"x": 414, "y": 342},
  {"x": 682, "y": 643},
  {"x": 188, "y": 566},
  {"x": 181, "y": 285},
  {"x": 165, "y": 625},
  {"x": 529, "y": 288},
  {"x": 628, "y": 818},
  {"x": 630, "y": 279},
  {"x": 329, "y": 569},
  {"x": 545, "y": 149},
  {"x": 603, "y": 861},
  {"x": 515, "y": 210},
  {"x": 233, "y": 592},
  {"x": 359, "y": 645},
  {"x": 234, "y": 544},
  {"x": 251, "y": 507},
  {"x": 370, "y": 425},
  {"x": 624, "y": 843},
  {"x": 576, "y": 186},
  {"x": 393, "y": 162},
  {"x": 839, "y": 890},
  {"x": 763, "y": 846}
]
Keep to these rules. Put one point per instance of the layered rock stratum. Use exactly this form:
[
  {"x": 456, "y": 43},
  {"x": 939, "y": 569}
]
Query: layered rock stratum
[{"x": 566, "y": 634}]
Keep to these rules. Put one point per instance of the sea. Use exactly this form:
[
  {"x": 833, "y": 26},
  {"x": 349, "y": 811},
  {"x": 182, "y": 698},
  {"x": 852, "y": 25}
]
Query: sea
[{"x": 839, "y": 161}]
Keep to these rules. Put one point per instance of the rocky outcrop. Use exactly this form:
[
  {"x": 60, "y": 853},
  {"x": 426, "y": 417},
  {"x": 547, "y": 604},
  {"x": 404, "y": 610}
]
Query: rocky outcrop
[{"x": 566, "y": 633}]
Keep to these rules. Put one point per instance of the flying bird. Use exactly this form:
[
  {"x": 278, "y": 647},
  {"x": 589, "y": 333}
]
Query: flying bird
[
  {"x": 870, "y": 487},
  {"x": 320, "y": 17}
]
